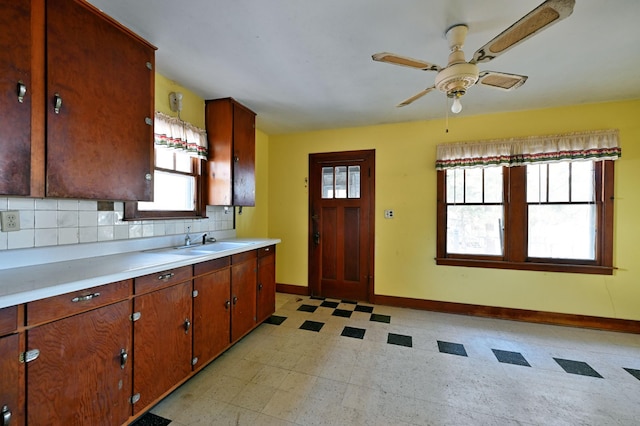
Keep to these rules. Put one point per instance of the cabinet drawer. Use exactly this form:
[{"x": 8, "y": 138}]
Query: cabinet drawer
[
  {"x": 244, "y": 256},
  {"x": 8, "y": 320},
  {"x": 162, "y": 279},
  {"x": 75, "y": 302},
  {"x": 211, "y": 265},
  {"x": 266, "y": 251}
]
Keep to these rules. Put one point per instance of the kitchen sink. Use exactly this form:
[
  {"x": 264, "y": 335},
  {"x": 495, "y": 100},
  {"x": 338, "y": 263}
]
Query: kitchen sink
[{"x": 205, "y": 249}]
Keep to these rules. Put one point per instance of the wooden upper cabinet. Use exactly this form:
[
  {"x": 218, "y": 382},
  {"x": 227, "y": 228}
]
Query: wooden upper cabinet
[
  {"x": 99, "y": 106},
  {"x": 231, "y": 164},
  {"x": 15, "y": 114}
]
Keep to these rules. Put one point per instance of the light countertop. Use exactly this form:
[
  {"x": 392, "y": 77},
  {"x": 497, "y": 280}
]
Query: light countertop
[{"x": 38, "y": 281}]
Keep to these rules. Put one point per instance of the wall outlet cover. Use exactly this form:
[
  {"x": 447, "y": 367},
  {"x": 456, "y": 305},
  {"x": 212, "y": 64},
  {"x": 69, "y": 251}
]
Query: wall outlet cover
[
  {"x": 10, "y": 220},
  {"x": 388, "y": 214}
]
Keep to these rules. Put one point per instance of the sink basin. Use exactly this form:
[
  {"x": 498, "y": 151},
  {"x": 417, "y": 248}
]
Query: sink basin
[{"x": 203, "y": 250}]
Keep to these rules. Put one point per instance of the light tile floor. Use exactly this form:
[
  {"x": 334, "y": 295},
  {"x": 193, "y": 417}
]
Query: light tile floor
[{"x": 284, "y": 375}]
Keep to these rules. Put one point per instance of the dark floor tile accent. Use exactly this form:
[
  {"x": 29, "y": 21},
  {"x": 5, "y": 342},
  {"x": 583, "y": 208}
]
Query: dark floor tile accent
[
  {"x": 400, "y": 340},
  {"x": 151, "y": 419},
  {"x": 342, "y": 313},
  {"x": 451, "y": 348},
  {"x": 349, "y": 302},
  {"x": 362, "y": 308},
  {"x": 509, "y": 357},
  {"x": 354, "y": 332},
  {"x": 577, "y": 367},
  {"x": 380, "y": 318},
  {"x": 312, "y": 326},
  {"x": 329, "y": 304},
  {"x": 634, "y": 373},
  {"x": 307, "y": 308},
  {"x": 316, "y": 298},
  {"x": 275, "y": 320}
]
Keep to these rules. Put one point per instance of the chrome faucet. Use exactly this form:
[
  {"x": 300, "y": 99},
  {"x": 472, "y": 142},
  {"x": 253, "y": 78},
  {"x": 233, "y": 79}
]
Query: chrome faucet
[{"x": 187, "y": 238}]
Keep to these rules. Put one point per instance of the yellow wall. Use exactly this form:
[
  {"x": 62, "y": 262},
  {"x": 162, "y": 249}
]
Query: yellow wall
[
  {"x": 192, "y": 104},
  {"x": 405, "y": 246}
]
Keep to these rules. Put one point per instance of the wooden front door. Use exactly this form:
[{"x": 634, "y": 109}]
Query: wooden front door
[{"x": 341, "y": 223}]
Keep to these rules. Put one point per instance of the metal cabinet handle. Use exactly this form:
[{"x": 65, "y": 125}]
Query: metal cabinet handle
[
  {"x": 22, "y": 91},
  {"x": 85, "y": 298},
  {"x": 124, "y": 356},
  {"x": 6, "y": 416},
  {"x": 164, "y": 277},
  {"x": 260, "y": 287},
  {"x": 187, "y": 326},
  {"x": 227, "y": 304},
  {"x": 235, "y": 299},
  {"x": 57, "y": 103}
]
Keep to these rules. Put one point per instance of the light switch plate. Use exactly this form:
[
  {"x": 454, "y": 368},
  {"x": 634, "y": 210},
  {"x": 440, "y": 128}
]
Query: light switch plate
[{"x": 10, "y": 220}]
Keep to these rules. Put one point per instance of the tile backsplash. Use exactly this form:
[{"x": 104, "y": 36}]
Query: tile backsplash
[{"x": 53, "y": 222}]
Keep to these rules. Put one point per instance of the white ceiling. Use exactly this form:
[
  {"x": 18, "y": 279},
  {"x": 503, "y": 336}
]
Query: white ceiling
[{"x": 306, "y": 65}]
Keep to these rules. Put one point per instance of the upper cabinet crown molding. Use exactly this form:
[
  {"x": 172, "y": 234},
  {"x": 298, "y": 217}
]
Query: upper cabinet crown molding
[{"x": 231, "y": 164}]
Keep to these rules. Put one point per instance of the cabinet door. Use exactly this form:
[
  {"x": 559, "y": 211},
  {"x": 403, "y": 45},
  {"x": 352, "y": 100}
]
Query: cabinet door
[
  {"x": 162, "y": 342},
  {"x": 244, "y": 142},
  {"x": 243, "y": 297},
  {"x": 211, "y": 315},
  {"x": 11, "y": 385},
  {"x": 266, "y": 283},
  {"x": 81, "y": 376},
  {"x": 98, "y": 144},
  {"x": 15, "y": 116}
]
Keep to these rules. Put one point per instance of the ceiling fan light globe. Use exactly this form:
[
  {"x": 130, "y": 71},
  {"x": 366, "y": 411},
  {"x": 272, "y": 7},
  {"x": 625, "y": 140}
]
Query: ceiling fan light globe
[{"x": 456, "y": 107}]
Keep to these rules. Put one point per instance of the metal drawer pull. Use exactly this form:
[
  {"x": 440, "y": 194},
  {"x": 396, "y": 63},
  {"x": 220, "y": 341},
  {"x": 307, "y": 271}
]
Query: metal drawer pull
[
  {"x": 6, "y": 416},
  {"x": 187, "y": 326},
  {"x": 124, "y": 356},
  {"x": 22, "y": 91},
  {"x": 166, "y": 276},
  {"x": 235, "y": 299},
  {"x": 85, "y": 298},
  {"x": 227, "y": 304},
  {"x": 57, "y": 103}
]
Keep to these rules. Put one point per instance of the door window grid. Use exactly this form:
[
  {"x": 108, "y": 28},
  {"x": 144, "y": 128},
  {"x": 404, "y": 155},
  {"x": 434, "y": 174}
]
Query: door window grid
[{"x": 341, "y": 182}]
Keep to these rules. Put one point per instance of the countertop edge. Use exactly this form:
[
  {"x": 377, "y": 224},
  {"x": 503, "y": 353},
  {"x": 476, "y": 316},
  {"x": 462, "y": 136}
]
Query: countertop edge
[{"x": 14, "y": 295}]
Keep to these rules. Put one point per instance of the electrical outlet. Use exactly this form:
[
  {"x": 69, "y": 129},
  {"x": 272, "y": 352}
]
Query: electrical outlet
[
  {"x": 10, "y": 220},
  {"x": 388, "y": 214}
]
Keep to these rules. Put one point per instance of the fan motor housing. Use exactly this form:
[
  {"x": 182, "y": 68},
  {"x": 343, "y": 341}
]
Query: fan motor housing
[{"x": 457, "y": 78}]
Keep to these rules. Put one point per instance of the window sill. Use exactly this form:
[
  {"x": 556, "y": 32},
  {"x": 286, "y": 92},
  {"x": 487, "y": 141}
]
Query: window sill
[{"x": 527, "y": 266}]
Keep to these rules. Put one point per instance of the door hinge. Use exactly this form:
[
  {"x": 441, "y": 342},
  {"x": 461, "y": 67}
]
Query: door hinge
[
  {"x": 29, "y": 356},
  {"x": 135, "y": 316},
  {"x": 195, "y": 293},
  {"x": 134, "y": 398}
]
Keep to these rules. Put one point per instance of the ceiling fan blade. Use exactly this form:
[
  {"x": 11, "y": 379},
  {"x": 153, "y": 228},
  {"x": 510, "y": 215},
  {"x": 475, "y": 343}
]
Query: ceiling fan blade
[
  {"x": 405, "y": 61},
  {"x": 415, "y": 97},
  {"x": 501, "y": 80},
  {"x": 540, "y": 18}
]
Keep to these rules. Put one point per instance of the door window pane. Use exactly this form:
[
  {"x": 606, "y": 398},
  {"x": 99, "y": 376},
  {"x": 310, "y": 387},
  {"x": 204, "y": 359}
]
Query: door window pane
[
  {"x": 327, "y": 182},
  {"x": 354, "y": 182},
  {"x": 341, "y": 182}
]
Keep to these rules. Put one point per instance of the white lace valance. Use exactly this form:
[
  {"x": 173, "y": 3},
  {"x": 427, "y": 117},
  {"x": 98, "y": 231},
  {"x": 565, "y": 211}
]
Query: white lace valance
[
  {"x": 173, "y": 133},
  {"x": 597, "y": 145}
]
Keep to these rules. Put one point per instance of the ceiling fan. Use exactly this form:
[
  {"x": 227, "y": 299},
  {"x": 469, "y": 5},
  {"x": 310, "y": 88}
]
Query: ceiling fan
[{"x": 459, "y": 75}]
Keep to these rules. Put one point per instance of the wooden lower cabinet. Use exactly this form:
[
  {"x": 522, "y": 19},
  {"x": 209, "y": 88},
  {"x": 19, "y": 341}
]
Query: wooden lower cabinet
[
  {"x": 81, "y": 375},
  {"x": 243, "y": 293},
  {"x": 211, "y": 310},
  {"x": 266, "y": 290},
  {"x": 162, "y": 342},
  {"x": 11, "y": 385}
]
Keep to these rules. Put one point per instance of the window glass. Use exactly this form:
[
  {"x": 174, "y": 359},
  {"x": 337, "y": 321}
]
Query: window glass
[
  {"x": 164, "y": 158},
  {"x": 354, "y": 182},
  {"x": 474, "y": 229},
  {"x": 327, "y": 182},
  {"x": 473, "y": 185},
  {"x": 558, "y": 185},
  {"x": 562, "y": 231},
  {"x": 582, "y": 181},
  {"x": 173, "y": 192},
  {"x": 341, "y": 182},
  {"x": 493, "y": 185}
]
